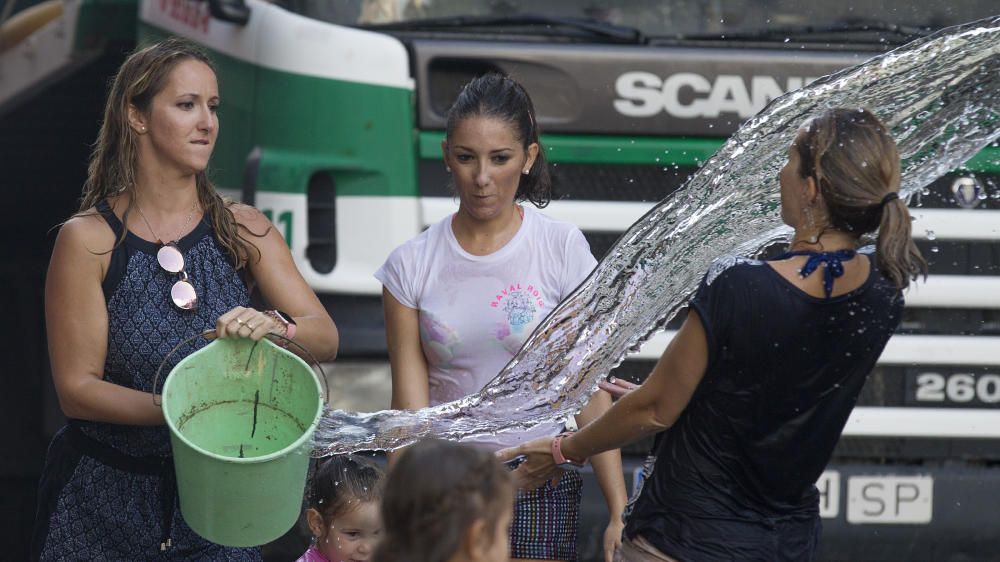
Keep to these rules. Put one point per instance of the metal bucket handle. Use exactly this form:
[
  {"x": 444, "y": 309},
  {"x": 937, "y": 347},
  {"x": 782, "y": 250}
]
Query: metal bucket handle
[{"x": 211, "y": 335}]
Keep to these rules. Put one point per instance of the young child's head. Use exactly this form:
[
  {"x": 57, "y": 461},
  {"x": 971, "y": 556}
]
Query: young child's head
[
  {"x": 446, "y": 502},
  {"x": 343, "y": 513}
]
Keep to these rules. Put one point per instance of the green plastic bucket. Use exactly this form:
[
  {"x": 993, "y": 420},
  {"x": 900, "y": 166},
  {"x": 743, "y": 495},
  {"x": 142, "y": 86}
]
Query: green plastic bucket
[{"x": 241, "y": 418}]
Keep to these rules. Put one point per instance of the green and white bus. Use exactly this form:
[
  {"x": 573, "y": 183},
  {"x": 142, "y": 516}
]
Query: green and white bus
[{"x": 332, "y": 120}]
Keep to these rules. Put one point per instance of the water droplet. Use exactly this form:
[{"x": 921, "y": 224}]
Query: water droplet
[
  {"x": 934, "y": 249},
  {"x": 931, "y": 235},
  {"x": 728, "y": 191}
]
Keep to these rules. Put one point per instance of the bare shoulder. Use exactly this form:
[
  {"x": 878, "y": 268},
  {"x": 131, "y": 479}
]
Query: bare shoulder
[
  {"x": 249, "y": 217},
  {"x": 83, "y": 246},
  {"x": 87, "y": 230}
]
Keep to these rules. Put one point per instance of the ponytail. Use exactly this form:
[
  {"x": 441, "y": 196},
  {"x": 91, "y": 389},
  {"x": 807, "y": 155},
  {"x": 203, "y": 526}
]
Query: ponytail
[
  {"x": 896, "y": 256},
  {"x": 536, "y": 185},
  {"x": 855, "y": 163}
]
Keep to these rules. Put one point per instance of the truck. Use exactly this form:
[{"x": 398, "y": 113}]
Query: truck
[{"x": 332, "y": 119}]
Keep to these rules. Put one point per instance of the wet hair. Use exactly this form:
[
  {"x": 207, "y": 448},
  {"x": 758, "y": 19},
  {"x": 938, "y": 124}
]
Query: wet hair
[
  {"x": 435, "y": 491},
  {"x": 855, "y": 164},
  {"x": 114, "y": 160},
  {"x": 341, "y": 482},
  {"x": 501, "y": 97}
]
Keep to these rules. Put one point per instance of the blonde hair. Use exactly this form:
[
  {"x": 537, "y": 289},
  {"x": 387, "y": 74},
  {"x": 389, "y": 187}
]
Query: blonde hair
[
  {"x": 855, "y": 163},
  {"x": 114, "y": 160}
]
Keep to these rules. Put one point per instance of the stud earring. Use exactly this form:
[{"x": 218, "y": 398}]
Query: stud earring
[{"x": 525, "y": 172}]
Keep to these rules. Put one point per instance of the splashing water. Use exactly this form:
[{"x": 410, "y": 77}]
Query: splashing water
[{"x": 939, "y": 95}]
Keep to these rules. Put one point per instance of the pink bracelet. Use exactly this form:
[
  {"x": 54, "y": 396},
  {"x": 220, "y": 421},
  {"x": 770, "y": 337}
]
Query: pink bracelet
[
  {"x": 286, "y": 322},
  {"x": 557, "y": 454}
]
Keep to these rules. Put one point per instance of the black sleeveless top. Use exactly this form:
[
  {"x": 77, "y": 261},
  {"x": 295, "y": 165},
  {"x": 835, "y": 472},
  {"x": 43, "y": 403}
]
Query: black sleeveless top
[{"x": 784, "y": 372}]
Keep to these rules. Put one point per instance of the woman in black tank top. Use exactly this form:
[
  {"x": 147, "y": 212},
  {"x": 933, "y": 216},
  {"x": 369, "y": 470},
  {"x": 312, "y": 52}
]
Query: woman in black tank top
[{"x": 755, "y": 388}]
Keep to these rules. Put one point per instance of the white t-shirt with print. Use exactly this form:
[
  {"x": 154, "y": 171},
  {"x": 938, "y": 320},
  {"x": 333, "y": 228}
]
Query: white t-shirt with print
[{"x": 475, "y": 312}]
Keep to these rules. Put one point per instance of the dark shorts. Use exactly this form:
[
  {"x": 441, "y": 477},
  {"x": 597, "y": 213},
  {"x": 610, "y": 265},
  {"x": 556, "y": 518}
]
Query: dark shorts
[
  {"x": 546, "y": 520},
  {"x": 792, "y": 538}
]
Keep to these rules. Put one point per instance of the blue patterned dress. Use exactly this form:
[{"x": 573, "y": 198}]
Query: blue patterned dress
[{"x": 108, "y": 491}]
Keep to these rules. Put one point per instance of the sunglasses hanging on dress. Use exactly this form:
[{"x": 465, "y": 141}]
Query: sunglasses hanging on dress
[
  {"x": 170, "y": 258},
  {"x": 182, "y": 292}
]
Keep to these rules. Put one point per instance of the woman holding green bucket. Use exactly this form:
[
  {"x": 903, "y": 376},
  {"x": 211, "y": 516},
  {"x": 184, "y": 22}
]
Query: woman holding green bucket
[{"x": 154, "y": 256}]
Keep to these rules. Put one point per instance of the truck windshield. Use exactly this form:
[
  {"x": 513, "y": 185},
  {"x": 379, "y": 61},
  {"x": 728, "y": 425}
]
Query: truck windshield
[{"x": 757, "y": 19}]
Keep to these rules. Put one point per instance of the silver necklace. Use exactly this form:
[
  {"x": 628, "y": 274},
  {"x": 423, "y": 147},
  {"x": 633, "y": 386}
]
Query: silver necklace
[{"x": 183, "y": 229}]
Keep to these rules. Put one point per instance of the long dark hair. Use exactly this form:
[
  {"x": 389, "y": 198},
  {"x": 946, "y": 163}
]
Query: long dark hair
[
  {"x": 341, "y": 482},
  {"x": 114, "y": 160},
  {"x": 501, "y": 97},
  {"x": 435, "y": 491},
  {"x": 855, "y": 163}
]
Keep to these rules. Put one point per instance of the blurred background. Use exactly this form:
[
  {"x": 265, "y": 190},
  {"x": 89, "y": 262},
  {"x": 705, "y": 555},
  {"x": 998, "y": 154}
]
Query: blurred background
[{"x": 331, "y": 123}]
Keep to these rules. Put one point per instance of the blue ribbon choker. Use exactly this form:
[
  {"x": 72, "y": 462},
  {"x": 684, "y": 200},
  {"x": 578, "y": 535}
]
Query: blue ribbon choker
[{"x": 834, "y": 262}]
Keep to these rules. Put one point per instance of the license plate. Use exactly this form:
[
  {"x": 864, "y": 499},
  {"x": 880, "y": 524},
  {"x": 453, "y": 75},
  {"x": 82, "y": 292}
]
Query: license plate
[
  {"x": 829, "y": 494},
  {"x": 828, "y": 486},
  {"x": 890, "y": 499},
  {"x": 949, "y": 387}
]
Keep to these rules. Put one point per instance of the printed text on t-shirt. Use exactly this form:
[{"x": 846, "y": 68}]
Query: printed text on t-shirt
[{"x": 531, "y": 291}]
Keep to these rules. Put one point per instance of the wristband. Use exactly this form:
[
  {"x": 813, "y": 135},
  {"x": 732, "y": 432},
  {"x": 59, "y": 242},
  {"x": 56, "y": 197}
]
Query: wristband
[
  {"x": 557, "y": 455},
  {"x": 284, "y": 320}
]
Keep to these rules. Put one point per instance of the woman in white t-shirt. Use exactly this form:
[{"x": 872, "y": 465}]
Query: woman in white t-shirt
[{"x": 462, "y": 297}]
